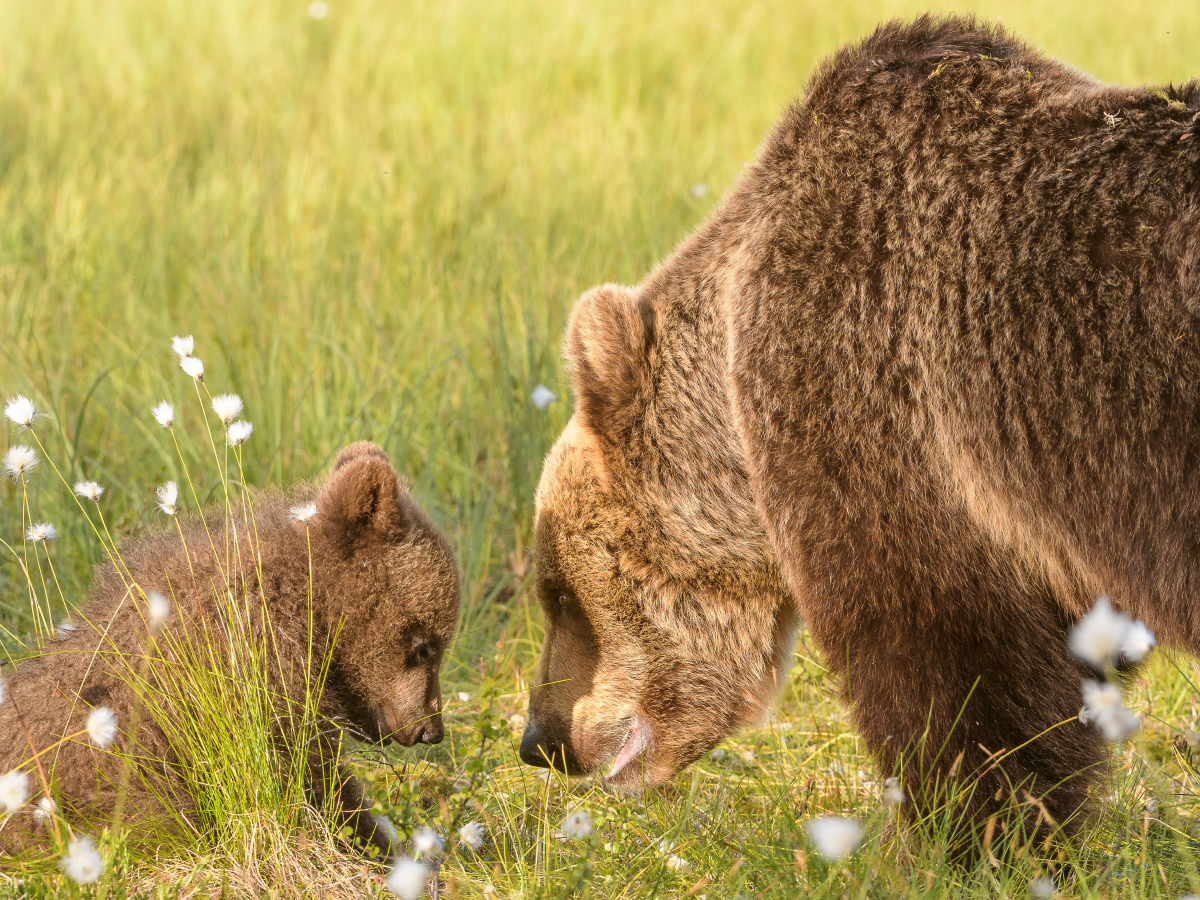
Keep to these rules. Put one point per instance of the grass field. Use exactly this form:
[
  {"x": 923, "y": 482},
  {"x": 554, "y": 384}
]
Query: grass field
[{"x": 375, "y": 223}]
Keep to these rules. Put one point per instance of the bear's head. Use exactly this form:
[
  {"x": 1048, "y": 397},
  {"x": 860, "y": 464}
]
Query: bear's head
[
  {"x": 667, "y": 621},
  {"x": 389, "y": 589}
]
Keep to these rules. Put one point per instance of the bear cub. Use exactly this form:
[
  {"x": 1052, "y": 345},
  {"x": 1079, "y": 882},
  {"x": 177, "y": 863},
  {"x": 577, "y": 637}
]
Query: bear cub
[{"x": 383, "y": 594}]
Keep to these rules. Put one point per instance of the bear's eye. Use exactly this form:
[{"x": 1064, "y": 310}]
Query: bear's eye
[
  {"x": 422, "y": 654},
  {"x": 567, "y": 607}
]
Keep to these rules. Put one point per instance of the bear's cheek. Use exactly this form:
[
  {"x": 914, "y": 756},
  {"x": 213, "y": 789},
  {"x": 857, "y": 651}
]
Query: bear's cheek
[
  {"x": 600, "y": 719},
  {"x": 597, "y": 704}
]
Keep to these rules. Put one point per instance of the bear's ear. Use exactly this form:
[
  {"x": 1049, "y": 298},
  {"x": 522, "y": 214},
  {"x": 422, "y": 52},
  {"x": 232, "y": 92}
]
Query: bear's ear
[
  {"x": 363, "y": 495},
  {"x": 358, "y": 450},
  {"x": 610, "y": 350}
]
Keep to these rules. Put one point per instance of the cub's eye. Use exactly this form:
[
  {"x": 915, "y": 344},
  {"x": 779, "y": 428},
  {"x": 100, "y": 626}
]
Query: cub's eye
[{"x": 422, "y": 654}]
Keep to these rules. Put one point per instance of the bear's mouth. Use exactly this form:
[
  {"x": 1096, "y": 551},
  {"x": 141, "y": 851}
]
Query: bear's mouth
[{"x": 637, "y": 741}]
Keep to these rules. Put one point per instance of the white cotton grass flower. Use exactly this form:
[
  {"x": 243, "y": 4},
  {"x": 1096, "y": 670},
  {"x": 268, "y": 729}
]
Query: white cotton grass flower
[
  {"x": 168, "y": 497},
  {"x": 1137, "y": 643},
  {"x": 835, "y": 837},
  {"x": 227, "y": 407},
  {"x": 1097, "y": 637},
  {"x": 183, "y": 345},
  {"x": 1098, "y": 698},
  {"x": 472, "y": 835},
  {"x": 238, "y": 433},
  {"x": 303, "y": 513},
  {"x": 464, "y": 697},
  {"x": 1042, "y": 887},
  {"x": 677, "y": 863},
  {"x": 19, "y": 462},
  {"x": 44, "y": 810},
  {"x": 164, "y": 414},
  {"x": 1118, "y": 725},
  {"x": 893, "y": 792},
  {"x": 318, "y": 10},
  {"x": 88, "y": 490},
  {"x": 14, "y": 790},
  {"x": 428, "y": 842},
  {"x": 542, "y": 396},
  {"x": 21, "y": 410},
  {"x": 193, "y": 366},
  {"x": 408, "y": 878},
  {"x": 102, "y": 727},
  {"x": 42, "y": 531},
  {"x": 158, "y": 608},
  {"x": 577, "y": 825},
  {"x": 1103, "y": 708},
  {"x": 83, "y": 863}
]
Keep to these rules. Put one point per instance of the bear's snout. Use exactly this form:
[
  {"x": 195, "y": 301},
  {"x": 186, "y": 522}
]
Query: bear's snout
[
  {"x": 426, "y": 731},
  {"x": 406, "y": 729},
  {"x": 433, "y": 731},
  {"x": 540, "y": 748}
]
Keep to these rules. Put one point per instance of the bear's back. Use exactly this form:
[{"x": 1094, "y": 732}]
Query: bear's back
[{"x": 968, "y": 275}]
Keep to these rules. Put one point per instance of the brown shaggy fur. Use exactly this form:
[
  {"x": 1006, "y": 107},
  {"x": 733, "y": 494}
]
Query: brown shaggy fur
[
  {"x": 384, "y": 579},
  {"x": 929, "y": 379}
]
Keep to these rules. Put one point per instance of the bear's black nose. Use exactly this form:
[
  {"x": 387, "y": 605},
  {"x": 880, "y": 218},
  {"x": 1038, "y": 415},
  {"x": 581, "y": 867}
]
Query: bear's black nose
[
  {"x": 532, "y": 751},
  {"x": 537, "y": 748},
  {"x": 433, "y": 731}
]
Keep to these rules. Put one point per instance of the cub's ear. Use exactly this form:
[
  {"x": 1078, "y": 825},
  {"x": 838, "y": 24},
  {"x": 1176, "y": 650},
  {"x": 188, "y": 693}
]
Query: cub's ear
[
  {"x": 357, "y": 450},
  {"x": 363, "y": 495},
  {"x": 610, "y": 349}
]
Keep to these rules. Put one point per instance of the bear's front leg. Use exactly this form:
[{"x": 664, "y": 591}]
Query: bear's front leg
[
  {"x": 355, "y": 807},
  {"x": 955, "y": 664},
  {"x": 351, "y": 806}
]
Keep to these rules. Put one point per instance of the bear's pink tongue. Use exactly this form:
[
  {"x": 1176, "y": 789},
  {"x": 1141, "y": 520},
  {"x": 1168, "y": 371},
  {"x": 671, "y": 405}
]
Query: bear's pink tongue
[{"x": 636, "y": 741}]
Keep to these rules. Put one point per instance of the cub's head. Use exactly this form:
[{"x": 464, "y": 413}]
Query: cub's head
[
  {"x": 386, "y": 576},
  {"x": 667, "y": 623}
]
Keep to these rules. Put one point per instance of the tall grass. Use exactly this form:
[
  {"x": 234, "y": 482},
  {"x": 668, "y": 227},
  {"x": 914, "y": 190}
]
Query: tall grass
[
  {"x": 227, "y": 775},
  {"x": 376, "y": 223}
]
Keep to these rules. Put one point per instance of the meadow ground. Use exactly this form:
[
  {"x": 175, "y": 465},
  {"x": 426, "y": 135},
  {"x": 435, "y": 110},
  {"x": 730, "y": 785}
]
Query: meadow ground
[{"x": 374, "y": 222}]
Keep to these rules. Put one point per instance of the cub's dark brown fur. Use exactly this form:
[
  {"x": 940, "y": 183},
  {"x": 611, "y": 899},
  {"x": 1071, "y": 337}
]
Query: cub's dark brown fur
[
  {"x": 928, "y": 379},
  {"x": 384, "y": 580}
]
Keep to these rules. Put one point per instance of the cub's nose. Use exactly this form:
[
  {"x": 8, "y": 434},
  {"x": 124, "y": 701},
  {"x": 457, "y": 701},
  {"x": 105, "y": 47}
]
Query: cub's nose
[{"x": 433, "y": 731}]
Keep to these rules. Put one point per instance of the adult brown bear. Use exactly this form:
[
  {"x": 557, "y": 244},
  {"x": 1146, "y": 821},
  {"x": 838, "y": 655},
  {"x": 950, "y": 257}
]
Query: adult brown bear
[{"x": 928, "y": 380}]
